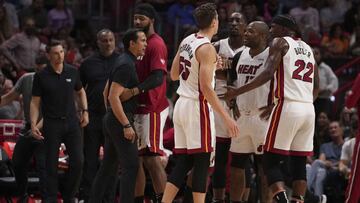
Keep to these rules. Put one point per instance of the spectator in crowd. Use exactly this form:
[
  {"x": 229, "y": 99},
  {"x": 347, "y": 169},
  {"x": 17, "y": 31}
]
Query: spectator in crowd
[
  {"x": 336, "y": 43},
  {"x": 250, "y": 12},
  {"x": 27, "y": 146},
  {"x": 352, "y": 192},
  {"x": 321, "y": 132},
  {"x": 328, "y": 160},
  {"x": 332, "y": 13},
  {"x": 306, "y": 17},
  {"x": 13, "y": 109},
  {"x": 11, "y": 13},
  {"x": 181, "y": 12},
  {"x": 346, "y": 156},
  {"x": 328, "y": 84},
  {"x": 273, "y": 8},
  {"x": 5, "y": 27},
  {"x": 60, "y": 16},
  {"x": 352, "y": 17},
  {"x": 346, "y": 117},
  {"x": 37, "y": 12},
  {"x": 22, "y": 48}
]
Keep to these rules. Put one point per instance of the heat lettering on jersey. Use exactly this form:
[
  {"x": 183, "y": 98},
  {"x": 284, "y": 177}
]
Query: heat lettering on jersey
[{"x": 248, "y": 69}]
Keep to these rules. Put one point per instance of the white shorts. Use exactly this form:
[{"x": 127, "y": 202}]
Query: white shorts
[
  {"x": 149, "y": 128},
  {"x": 252, "y": 134},
  {"x": 193, "y": 126},
  {"x": 291, "y": 129},
  {"x": 220, "y": 127}
]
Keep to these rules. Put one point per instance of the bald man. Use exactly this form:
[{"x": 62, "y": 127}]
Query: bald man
[
  {"x": 226, "y": 48},
  {"x": 252, "y": 106},
  {"x": 94, "y": 72}
]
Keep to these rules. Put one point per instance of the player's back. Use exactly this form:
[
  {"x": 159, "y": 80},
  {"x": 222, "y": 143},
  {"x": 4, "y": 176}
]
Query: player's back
[
  {"x": 294, "y": 78},
  {"x": 189, "y": 66}
]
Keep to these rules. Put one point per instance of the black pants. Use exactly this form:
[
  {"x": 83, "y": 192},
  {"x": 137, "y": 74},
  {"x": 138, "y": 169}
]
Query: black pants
[
  {"x": 26, "y": 147},
  {"x": 93, "y": 139},
  {"x": 118, "y": 150},
  {"x": 55, "y": 132}
]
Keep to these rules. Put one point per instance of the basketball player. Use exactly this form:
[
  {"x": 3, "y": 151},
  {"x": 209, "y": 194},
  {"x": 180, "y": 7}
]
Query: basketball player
[
  {"x": 291, "y": 129},
  {"x": 226, "y": 48},
  {"x": 194, "y": 65},
  {"x": 352, "y": 191},
  {"x": 248, "y": 64}
]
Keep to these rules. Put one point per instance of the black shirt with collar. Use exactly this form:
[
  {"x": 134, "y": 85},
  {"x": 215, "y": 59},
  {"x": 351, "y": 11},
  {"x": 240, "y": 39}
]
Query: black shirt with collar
[
  {"x": 94, "y": 72},
  {"x": 57, "y": 91},
  {"x": 125, "y": 75}
]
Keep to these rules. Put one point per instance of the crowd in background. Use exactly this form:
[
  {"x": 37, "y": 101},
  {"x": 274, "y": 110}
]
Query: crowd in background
[{"x": 331, "y": 27}]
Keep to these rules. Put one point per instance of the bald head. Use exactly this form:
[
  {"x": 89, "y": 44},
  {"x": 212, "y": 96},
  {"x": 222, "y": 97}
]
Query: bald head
[
  {"x": 256, "y": 34},
  {"x": 261, "y": 27}
]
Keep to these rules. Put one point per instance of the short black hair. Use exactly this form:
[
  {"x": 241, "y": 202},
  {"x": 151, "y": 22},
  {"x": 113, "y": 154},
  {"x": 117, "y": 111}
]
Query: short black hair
[
  {"x": 204, "y": 15},
  {"x": 53, "y": 43},
  {"x": 130, "y": 35},
  {"x": 102, "y": 31},
  {"x": 146, "y": 9}
]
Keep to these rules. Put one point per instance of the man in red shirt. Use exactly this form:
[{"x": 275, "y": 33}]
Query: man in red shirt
[
  {"x": 153, "y": 106},
  {"x": 353, "y": 191}
]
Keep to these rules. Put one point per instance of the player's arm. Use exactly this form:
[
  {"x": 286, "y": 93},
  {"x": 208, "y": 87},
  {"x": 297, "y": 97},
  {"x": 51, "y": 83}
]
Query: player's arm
[
  {"x": 316, "y": 82},
  {"x": 174, "y": 72},
  {"x": 206, "y": 55},
  {"x": 277, "y": 50}
]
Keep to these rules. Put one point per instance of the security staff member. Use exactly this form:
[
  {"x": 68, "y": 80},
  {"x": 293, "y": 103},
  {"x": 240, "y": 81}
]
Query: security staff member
[
  {"x": 54, "y": 88},
  {"x": 120, "y": 138},
  {"x": 94, "y": 72}
]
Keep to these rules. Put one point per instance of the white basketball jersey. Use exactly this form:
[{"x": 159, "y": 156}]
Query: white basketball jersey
[
  {"x": 226, "y": 51},
  {"x": 247, "y": 69},
  {"x": 295, "y": 76},
  {"x": 189, "y": 67}
]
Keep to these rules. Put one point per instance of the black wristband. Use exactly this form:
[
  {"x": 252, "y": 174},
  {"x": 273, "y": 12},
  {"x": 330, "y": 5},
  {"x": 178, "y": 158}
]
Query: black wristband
[{"x": 127, "y": 126}]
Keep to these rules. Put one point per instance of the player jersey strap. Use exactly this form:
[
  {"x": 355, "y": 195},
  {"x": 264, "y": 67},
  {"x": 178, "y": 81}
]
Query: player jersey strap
[{"x": 232, "y": 71}]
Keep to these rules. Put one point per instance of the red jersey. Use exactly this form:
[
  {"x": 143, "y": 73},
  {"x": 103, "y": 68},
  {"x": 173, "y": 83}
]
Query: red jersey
[{"x": 155, "y": 58}]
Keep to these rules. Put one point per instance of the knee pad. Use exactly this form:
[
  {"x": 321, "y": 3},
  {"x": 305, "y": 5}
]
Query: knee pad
[
  {"x": 183, "y": 166},
  {"x": 200, "y": 171},
  {"x": 298, "y": 167},
  {"x": 273, "y": 167},
  {"x": 221, "y": 158},
  {"x": 240, "y": 160}
]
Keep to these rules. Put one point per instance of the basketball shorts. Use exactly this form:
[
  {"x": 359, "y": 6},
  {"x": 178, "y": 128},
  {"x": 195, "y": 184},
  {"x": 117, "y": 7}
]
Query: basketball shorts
[
  {"x": 149, "y": 129},
  {"x": 194, "y": 126},
  {"x": 252, "y": 134},
  {"x": 291, "y": 129}
]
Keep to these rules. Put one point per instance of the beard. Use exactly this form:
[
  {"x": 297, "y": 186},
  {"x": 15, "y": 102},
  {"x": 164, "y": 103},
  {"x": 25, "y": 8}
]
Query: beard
[{"x": 145, "y": 28}]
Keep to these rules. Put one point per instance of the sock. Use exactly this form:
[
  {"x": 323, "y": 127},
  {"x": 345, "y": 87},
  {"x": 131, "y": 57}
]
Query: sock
[
  {"x": 139, "y": 199},
  {"x": 297, "y": 199},
  {"x": 281, "y": 197},
  {"x": 218, "y": 201}
]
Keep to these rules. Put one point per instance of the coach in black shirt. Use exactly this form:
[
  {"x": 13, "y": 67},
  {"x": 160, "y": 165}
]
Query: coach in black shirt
[
  {"x": 94, "y": 72},
  {"x": 54, "y": 88},
  {"x": 120, "y": 138}
]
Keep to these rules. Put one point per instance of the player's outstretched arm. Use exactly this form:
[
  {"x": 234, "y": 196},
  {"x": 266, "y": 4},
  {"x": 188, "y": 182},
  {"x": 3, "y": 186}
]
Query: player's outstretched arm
[
  {"x": 206, "y": 55},
  {"x": 277, "y": 50},
  {"x": 174, "y": 72}
]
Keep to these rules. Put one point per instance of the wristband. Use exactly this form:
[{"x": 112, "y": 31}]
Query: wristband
[{"x": 127, "y": 126}]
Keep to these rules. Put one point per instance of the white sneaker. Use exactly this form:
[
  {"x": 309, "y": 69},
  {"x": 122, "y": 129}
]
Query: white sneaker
[{"x": 323, "y": 199}]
